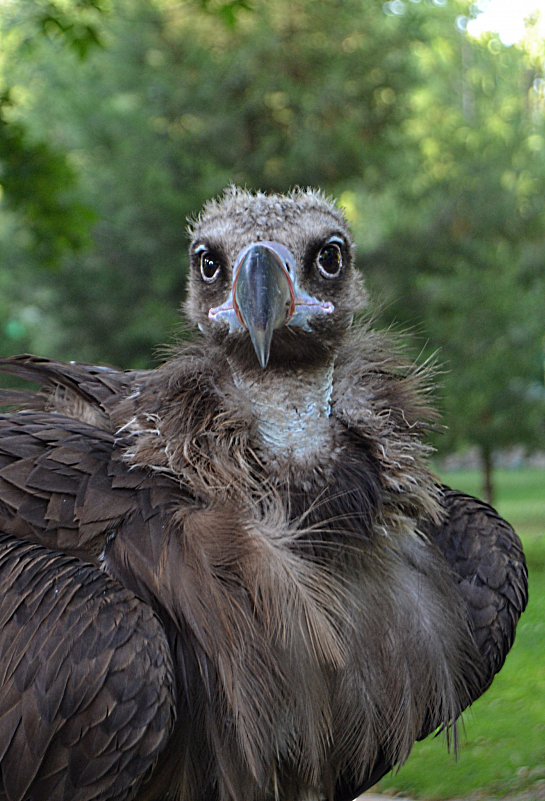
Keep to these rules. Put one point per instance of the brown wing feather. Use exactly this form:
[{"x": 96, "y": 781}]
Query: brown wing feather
[
  {"x": 486, "y": 556},
  {"x": 51, "y": 469},
  {"x": 82, "y": 391},
  {"x": 86, "y": 680},
  {"x": 64, "y": 485}
]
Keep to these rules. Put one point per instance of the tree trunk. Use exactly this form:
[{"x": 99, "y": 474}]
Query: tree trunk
[{"x": 488, "y": 484}]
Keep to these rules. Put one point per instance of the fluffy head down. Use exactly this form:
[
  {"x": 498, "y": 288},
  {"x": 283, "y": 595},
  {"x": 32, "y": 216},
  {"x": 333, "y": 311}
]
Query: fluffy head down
[
  {"x": 303, "y": 221},
  {"x": 239, "y": 213}
]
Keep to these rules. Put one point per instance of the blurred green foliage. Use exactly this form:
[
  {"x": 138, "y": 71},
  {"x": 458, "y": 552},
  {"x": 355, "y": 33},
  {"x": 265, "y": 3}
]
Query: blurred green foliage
[
  {"x": 119, "y": 119},
  {"x": 37, "y": 181}
]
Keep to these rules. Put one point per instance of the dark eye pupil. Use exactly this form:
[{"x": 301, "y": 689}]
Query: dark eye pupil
[
  {"x": 209, "y": 266},
  {"x": 330, "y": 259}
]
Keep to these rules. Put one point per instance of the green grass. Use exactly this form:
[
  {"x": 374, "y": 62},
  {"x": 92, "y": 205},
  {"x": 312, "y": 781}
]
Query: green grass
[{"x": 502, "y": 749}]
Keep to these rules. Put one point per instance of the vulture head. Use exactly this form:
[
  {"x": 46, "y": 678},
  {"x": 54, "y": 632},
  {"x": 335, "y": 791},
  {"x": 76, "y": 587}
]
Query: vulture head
[{"x": 272, "y": 279}]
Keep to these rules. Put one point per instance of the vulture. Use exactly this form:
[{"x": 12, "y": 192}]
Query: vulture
[{"x": 234, "y": 577}]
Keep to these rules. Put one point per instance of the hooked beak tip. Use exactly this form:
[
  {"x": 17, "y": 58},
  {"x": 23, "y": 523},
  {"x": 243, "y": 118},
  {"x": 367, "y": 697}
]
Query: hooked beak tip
[{"x": 261, "y": 340}]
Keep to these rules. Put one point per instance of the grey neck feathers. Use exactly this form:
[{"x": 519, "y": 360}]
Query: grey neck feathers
[{"x": 292, "y": 410}]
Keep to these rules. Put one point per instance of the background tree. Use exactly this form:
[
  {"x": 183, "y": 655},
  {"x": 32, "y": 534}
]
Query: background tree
[{"x": 471, "y": 248}]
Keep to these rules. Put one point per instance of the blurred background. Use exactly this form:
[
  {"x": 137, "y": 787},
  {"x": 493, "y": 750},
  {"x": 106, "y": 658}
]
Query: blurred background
[{"x": 425, "y": 118}]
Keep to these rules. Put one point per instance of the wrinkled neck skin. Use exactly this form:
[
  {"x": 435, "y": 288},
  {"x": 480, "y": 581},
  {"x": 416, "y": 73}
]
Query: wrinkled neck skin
[{"x": 292, "y": 412}]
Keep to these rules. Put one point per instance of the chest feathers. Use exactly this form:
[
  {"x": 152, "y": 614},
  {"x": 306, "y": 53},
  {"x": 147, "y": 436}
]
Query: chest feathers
[
  {"x": 290, "y": 663},
  {"x": 303, "y": 615}
]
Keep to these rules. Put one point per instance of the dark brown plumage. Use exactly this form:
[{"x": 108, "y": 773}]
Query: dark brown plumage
[{"x": 234, "y": 577}]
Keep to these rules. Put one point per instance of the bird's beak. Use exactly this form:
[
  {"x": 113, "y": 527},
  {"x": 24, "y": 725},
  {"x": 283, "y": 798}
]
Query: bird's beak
[{"x": 263, "y": 296}]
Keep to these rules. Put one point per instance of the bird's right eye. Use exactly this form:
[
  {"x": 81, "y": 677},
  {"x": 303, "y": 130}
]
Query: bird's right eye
[{"x": 210, "y": 267}]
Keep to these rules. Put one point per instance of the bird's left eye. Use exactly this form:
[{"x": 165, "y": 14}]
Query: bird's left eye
[
  {"x": 210, "y": 267},
  {"x": 330, "y": 260}
]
